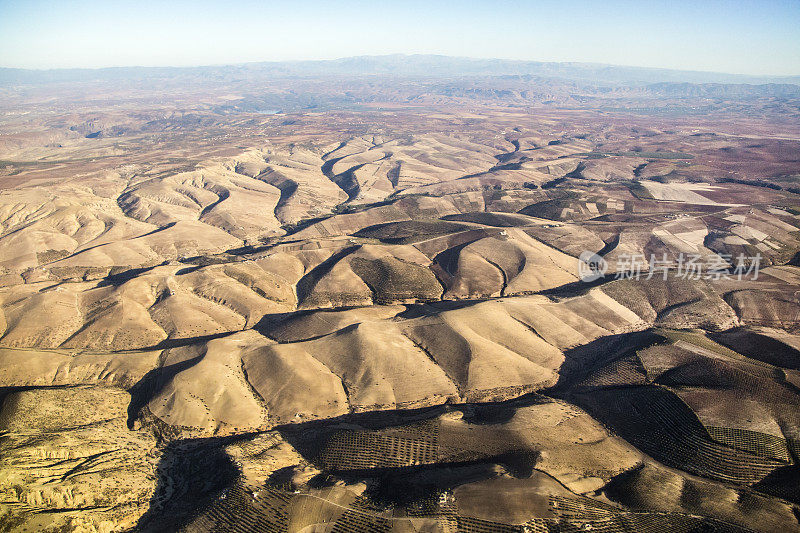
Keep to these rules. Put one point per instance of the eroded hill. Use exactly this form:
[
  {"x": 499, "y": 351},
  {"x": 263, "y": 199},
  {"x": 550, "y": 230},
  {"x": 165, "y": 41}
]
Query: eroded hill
[{"x": 375, "y": 320}]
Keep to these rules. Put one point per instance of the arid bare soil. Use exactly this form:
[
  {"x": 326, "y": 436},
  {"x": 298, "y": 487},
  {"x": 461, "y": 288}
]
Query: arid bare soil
[{"x": 330, "y": 304}]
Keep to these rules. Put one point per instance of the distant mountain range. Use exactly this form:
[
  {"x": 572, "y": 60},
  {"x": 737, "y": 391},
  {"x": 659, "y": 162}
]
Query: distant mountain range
[{"x": 415, "y": 66}]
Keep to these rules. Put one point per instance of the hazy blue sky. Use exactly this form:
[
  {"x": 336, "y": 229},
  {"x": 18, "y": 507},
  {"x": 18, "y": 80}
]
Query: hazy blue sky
[{"x": 750, "y": 37}]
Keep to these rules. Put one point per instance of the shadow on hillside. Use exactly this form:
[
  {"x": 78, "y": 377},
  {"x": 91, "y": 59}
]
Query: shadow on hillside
[
  {"x": 194, "y": 473},
  {"x": 582, "y": 360},
  {"x": 151, "y": 383},
  {"x": 191, "y": 476}
]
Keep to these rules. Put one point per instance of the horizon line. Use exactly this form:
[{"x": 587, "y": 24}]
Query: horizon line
[{"x": 377, "y": 56}]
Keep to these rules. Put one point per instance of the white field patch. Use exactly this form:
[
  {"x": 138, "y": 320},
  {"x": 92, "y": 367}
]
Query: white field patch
[
  {"x": 789, "y": 274},
  {"x": 681, "y": 192},
  {"x": 689, "y": 242},
  {"x": 746, "y": 232},
  {"x": 695, "y": 238},
  {"x": 779, "y": 212},
  {"x": 734, "y": 240},
  {"x": 780, "y": 224}
]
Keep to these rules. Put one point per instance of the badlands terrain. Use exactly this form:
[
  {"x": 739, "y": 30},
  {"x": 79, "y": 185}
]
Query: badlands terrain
[{"x": 254, "y": 299}]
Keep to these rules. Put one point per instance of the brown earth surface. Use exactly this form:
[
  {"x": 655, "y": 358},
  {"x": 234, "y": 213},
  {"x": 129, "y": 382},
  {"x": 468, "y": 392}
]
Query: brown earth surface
[{"x": 369, "y": 316}]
